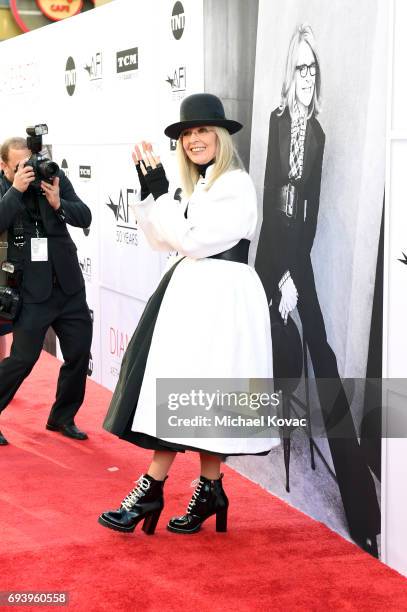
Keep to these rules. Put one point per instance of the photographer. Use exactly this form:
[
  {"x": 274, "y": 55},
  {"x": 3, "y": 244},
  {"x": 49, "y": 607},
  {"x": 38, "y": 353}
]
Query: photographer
[{"x": 48, "y": 277}]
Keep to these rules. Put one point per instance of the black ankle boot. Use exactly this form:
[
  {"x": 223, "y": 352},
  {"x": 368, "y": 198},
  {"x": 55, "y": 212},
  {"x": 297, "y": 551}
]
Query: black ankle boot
[
  {"x": 209, "y": 498},
  {"x": 145, "y": 501}
]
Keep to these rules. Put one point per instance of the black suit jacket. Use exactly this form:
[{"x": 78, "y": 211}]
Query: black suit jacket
[
  {"x": 284, "y": 243},
  {"x": 62, "y": 258}
]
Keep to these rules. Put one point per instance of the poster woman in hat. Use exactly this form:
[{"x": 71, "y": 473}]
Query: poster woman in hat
[
  {"x": 283, "y": 262},
  {"x": 208, "y": 317}
]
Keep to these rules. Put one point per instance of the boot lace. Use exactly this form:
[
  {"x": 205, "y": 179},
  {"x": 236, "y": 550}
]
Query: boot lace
[
  {"x": 198, "y": 484},
  {"x": 143, "y": 484}
]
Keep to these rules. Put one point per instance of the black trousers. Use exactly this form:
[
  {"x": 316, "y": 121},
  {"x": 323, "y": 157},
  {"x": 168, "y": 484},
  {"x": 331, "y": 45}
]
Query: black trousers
[
  {"x": 70, "y": 318},
  {"x": 355, "y": 481}
]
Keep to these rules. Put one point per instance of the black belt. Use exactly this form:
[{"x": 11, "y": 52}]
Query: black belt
[
  {"x": 288, "y": 200},
  {"x": 238, "y": 253}
]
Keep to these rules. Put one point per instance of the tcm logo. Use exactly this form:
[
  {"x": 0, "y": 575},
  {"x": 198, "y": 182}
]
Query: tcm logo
[
  {"x": 94, "y": 68},
  {"x": 118, "y": 341},
  {"x": 86, "y": 266},
  {"x": 178, "y": 20},
  {"x": 70, "y": 76},
  {"x": 85, "y": 172},
  {"x": 64, "y": 166},
  {"x": 173, "y": 144},
  {"x": 178, "y": 79},
  {"x": 126, "y": 226},
  {"x": 127, "y": 60}
]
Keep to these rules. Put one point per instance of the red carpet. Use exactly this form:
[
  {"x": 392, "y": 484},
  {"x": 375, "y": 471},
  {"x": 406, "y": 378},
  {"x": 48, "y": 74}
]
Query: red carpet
[{"x": 52, "y": 490}]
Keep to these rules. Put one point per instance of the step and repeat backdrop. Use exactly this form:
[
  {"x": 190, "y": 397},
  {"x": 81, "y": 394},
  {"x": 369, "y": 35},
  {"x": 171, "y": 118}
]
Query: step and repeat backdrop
[{"x": 102, "y": 82}]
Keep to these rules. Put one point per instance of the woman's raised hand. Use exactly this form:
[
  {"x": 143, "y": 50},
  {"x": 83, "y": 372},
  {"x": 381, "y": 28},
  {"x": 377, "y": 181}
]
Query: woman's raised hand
[
  {"x": 137, "y": 158},
  {"x": 150, "y": 170},
  {"x": 143, "y": 153}
]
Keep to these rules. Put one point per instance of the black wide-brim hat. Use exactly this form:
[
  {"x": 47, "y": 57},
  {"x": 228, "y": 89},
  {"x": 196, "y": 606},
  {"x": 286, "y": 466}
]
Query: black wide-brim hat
[{"x": 201, "y": 109}]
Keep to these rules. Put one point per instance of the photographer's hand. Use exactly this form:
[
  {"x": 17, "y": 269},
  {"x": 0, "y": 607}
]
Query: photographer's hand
[
  {"x": 51, "y": 192},
  {"x": 23, "y": 176}
]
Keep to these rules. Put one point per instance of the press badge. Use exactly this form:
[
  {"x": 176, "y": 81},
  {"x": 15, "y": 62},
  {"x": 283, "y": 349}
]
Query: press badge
[{"x": 39, "y": 249}]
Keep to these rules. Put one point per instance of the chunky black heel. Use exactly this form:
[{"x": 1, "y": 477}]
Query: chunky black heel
[
  {"x": 208, "y": 499},
  {"x": 150, "y": 522},
  {"x": 222, "y": 520},
  {"x": 145, "y": 501}
]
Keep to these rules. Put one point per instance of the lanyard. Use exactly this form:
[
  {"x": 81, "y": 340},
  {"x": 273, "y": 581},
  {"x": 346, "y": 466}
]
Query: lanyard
[{"x": 35, "y": 217}]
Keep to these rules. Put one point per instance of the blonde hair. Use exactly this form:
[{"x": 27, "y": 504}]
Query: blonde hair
[
  {"x": 302, "y": 33},
  {"x": 226, "y": 158}
]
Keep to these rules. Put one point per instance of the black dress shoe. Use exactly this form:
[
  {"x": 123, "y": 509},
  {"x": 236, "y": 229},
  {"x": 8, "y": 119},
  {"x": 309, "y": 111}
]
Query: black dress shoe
[
  {"x": 144, "y": 502},
  {"x": 208, "y": 498},
  {"x": 70, "y": 431},
  {"x": 3, "y": 441}
]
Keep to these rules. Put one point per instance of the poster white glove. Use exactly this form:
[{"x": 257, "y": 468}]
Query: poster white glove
[{"x": 289, "y": 298}]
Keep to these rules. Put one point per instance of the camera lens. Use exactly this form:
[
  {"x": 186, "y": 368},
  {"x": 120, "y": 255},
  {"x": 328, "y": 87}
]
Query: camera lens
[{"x": 48, "y": 169}]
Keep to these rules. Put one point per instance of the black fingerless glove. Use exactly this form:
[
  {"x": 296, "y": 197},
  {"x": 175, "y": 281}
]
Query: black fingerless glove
[
  {"x": 144, "y": 190},
  {"x": 157, "y": 182}
]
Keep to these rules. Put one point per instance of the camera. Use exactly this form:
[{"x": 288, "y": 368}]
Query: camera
[
  {"x": 10, "y": 303},
  {"x": 44, "y": 168},
  {"x": 10, "y": 299}
]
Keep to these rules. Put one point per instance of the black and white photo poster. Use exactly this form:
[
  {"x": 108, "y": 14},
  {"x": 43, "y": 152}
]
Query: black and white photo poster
[{"x": 318, "y": 161}]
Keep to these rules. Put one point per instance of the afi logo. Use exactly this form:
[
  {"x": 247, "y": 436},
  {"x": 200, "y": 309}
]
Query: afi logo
[
  {"x": 404, "y": 260},
  {"x": 127, "y": 60},
  {"x": 86, "y": 265},
  {"x": 64, "y": 166},
  {"x": 90, "y": 365},
  {"x": 94, "y": 68},
  {"x": 121, "y": 210},
  {"x": 178, "y": 80},
  {"x": 178, "y": 20},
  {"x": 70, "y": 76}
]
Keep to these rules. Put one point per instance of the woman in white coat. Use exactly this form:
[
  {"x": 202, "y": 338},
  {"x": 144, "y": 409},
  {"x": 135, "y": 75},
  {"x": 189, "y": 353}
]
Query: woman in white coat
[{"x": 208, "y": 318}]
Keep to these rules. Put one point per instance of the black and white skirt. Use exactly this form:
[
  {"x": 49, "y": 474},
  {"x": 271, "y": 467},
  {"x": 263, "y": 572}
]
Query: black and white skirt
[{"x": 208, "y": 318}]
